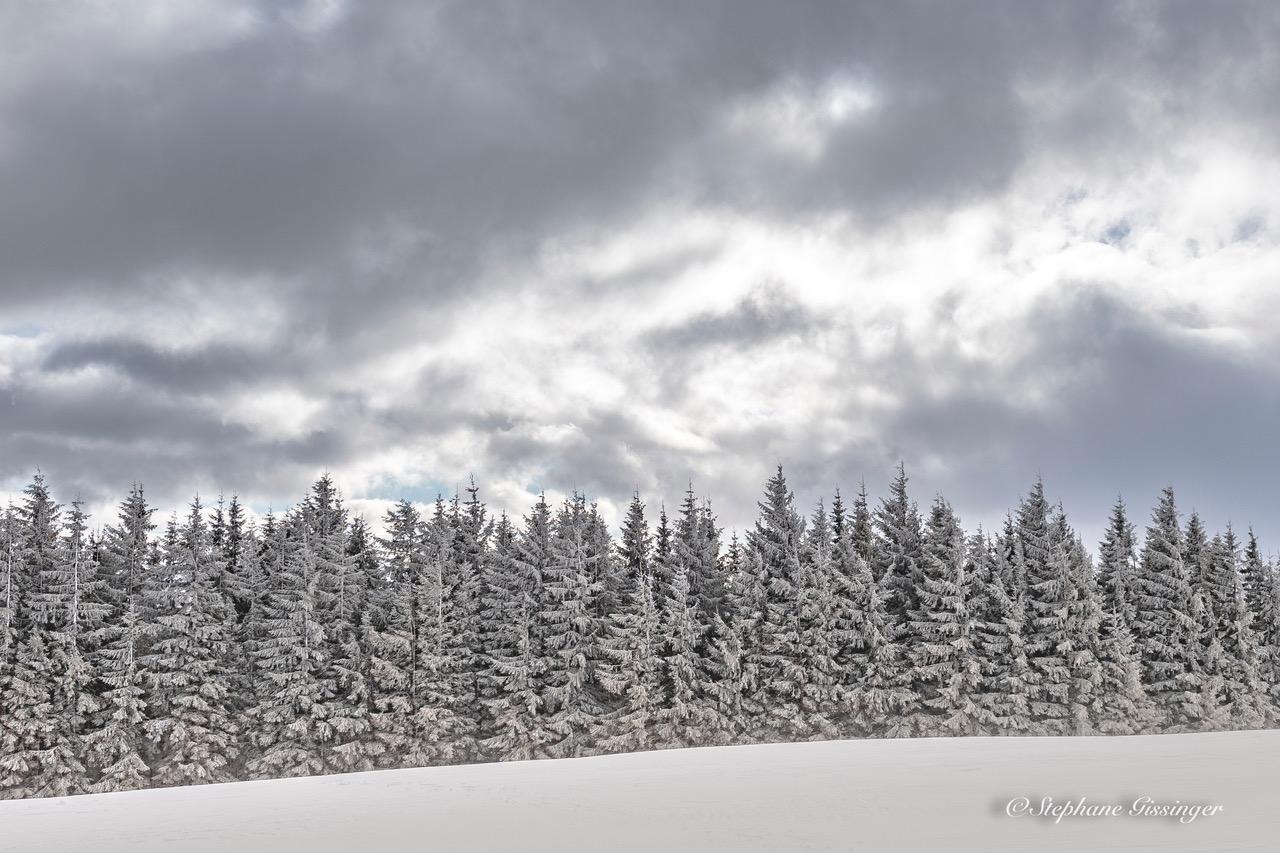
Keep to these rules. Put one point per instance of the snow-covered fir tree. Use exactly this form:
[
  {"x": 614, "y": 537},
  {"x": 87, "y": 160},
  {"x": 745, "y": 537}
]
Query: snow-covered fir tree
[
  {"x": 517, "y": 659},
  {"x": 630, "y": 647},
  {"x": 1007, "y": 682},
  {"x": 571, "y": 690},
  {"x": 288, "y": 723},
  {"x": 1118, "y": 564},
  {"x": 1164, "y": 628},
  {"x": 115, "y": 745},
  {"x": 777, "y": 540},
  {"x": 191, "y": 718},
  {"x": 945, "y": 669}
]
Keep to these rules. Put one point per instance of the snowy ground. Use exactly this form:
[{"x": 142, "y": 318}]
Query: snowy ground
[{"x": 936, "y": 795}]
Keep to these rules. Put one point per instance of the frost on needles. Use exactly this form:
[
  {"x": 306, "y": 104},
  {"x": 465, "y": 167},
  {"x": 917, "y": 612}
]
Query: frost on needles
[{"x": 211, "y": 649}]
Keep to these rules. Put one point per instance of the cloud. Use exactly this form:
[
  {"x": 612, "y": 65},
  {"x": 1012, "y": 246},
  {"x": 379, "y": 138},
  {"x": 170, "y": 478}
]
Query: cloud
[{"x": 622, "y": 246}]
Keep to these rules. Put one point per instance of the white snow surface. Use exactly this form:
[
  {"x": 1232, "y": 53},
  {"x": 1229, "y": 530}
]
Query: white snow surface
[{"x": 936, "y": 794}]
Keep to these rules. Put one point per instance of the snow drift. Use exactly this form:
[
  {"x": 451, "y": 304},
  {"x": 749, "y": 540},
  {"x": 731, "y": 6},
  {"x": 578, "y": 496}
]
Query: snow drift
[{"x": 927, "y": 794}]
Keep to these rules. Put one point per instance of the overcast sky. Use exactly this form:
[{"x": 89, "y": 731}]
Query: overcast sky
[{"x": 610, "y": 246}]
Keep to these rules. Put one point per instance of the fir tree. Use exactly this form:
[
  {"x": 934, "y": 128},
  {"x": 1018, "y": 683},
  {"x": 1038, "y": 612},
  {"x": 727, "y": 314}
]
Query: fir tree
[
  {"x": 1007, "y": 682},
  {"x": 777, "y": 539},
  {"x": 1118, "y": 565},
  {"x": 863, "y": 532},
  {"x": 41, "y": 698},
  {"x": 288, "y": 723},
  {"x": 1241, "y": 664},
  {"x": 571, "y": 690},
  {"x": 191, "y": 720},
  {"x": 339, "y": 596},
  {"x": 630, "y": 661},
  {"x": 1196, "y": 556},
  {"x": 896, "y": 552},
  {"x": 518, "y": 658},
  {"x": 395, "y": 671},
  {"x": 446, "y": 689},
  {"x": 1122, "y": 707},
  {"x": 1260, "y": 592},
  {"x": 1040, "y": 569},
  {"x": 38, "y": 755},
  {"x": 1163, "y": 626},
  {"x": 945, "y": 671},
  {"x": 819, "y": 633},
  {"x": 682, "y": 721},
  {"x": 115, "y": 746}
]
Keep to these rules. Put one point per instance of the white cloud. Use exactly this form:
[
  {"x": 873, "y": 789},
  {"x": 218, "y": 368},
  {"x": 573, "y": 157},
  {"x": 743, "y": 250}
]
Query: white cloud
[{"x": 797, "y": 117}]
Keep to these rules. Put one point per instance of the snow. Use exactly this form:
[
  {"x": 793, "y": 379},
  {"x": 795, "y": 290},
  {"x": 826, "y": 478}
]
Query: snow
[{"x": 928, "y": 794}]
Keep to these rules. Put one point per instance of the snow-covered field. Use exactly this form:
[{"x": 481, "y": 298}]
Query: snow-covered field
[{"x": 937, "y": 795}]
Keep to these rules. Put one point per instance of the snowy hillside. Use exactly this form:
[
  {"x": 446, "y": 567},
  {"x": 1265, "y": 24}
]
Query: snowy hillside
[{"x": 934, "y": 794}]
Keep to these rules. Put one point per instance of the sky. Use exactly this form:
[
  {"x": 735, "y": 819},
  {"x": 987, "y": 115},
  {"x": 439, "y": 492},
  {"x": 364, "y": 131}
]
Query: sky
[{"x": 616, "y": 246}]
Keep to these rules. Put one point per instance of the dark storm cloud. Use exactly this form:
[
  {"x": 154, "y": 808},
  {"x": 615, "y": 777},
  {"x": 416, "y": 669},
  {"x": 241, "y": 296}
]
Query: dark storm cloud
[
  {"x": 764, "y": 315},
  {"x": 1132, "y": 406},
  {"x": 481, "y": 124},
  {"x": 94, "y": 439},
  {"x": 203, "y": 370},
  {"x": 380, "y": 180}
]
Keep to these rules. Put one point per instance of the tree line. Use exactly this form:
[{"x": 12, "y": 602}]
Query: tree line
[{"x": 214, "y": 649}]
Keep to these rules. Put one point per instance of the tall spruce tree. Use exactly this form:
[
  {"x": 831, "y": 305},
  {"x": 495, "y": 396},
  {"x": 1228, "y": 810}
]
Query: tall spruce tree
[
  {"x": 295, "y": 688},
  {"x": 1118, "y": 564},
  {"x": 1007, "y": 682},
  {"x": 777, "y": 539},
  {"x": 395, "y": 673},
  {"x": 115, "y": 747},
  {"x": 945, "y": 670},
  {"x": 191, "y": 720},
  {"x": 39, "y": 741},
  {"x": 1242, "y": 665},
  {"x": 1163, "y": 625},
  {"x": 518, "y": 661},
  {"x": 630, "y": 666},
  {"x": 1041, "y": 560},
  {"x": 571, "y": 689}
]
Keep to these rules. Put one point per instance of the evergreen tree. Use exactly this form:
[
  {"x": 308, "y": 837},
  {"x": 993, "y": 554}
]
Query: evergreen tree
[
  {"x": 41, "y": 701},
  {"x": 73, "y": 610},
  {"x": 1163, "y": 626},
  {"x": 683, "y": 719},
  {"x": 1123, "y": 707},
  {"x": 896, "y": 553},
  {"x": 518, "y": 658},
  {"x": 863, "y": 532},
  {"x": 1082, "y": 623},
  {"x": 1241, "y": 664},
  {"x": 38, "y": 755},
  {"x": 191, "y": 724},
  {"x": 288, "y": 723},
  {"x": 471, "y": 532},
  {"x": 880, "y": 700},
  {"x": 448, "y": 596},
  {"x": 571, "y": 690},
  {"x": 630, "y": 661},
  {"x": 1118, "y": 565},
  {"x": 339, "y": 596},
  {"x": 115, "y": 746},
  {"x": 395, "y": 671},
  {"x": 1260, "y": 593},
  {"x": 820, "y": 637},
  {"x": 10, "y": 587},
  {"x": 777, "y": 539},
  {"x": 1196, "y": 556},
  {"x": 945, "y": 671},
  {"x": 1007, "y": 682},
  {"x": 1041, "y": 559}
]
